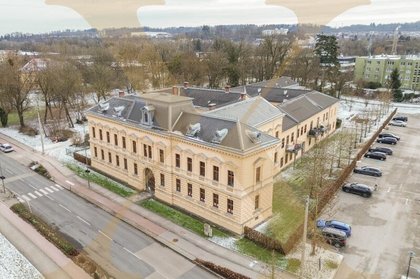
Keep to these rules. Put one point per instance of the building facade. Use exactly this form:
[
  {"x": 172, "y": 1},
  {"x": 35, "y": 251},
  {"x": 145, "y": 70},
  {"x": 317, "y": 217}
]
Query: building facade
[{"x": 379, "y": 68}]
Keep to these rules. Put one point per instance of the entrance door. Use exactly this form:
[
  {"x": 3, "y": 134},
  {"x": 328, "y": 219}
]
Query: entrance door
[{"x": 149, "y": 179}]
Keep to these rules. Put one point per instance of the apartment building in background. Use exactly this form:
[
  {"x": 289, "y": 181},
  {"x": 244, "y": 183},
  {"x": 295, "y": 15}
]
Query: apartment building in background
[{"x": 217, "y": 163}]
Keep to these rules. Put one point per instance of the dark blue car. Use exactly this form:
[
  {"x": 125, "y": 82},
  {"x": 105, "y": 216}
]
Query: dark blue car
[{"x": 334, "y": 224}]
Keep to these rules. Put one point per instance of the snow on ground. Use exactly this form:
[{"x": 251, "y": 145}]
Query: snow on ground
[
  {"x": 13, "y": 265},
  {"x": 227, "y": 242}
]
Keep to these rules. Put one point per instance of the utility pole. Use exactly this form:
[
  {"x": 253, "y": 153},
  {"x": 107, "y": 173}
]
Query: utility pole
[
  {"x": 40, "y": 125},
  {"x": 411, "y": 255},
  {"x": 2, "y": 177},
  {"x": 305, "y": 228},
  {"x": 87, "y": 171}
]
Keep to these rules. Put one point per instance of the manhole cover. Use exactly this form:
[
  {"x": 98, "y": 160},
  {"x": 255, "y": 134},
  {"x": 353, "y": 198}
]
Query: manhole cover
[{"x": 175, "y": 240}]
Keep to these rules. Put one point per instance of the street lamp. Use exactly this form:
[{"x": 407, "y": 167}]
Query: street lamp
[
  {"x": 2, "y": 177},
  {"x": 411, "y": 255}
]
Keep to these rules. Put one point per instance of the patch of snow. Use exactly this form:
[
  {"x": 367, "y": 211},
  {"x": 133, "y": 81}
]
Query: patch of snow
[{"x": 227, "y": 242}]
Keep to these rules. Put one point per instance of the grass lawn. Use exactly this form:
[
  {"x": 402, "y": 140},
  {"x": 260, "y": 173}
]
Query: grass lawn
[
  {"x": 101, "y": 181},
  {"x": 247, "y": 247},
  {"x": 30, "y": 114}
]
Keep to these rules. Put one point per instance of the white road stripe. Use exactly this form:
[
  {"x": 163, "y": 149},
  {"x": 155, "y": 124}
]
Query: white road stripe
[
  {"x": 48, "y": 189},
  {"x": 43, "y": 191},
  {"x": 32, "y": 195},
  {"x": 38, "y": 193},
  {"x": 26, "y": 198},
  {"x": 389, "y": 190},
  {"x": 59, "y": 187},
  {"x": 406, "y": 201},
  {"x": 83, "y": 220},
  {"x": 65, "y": 208},
  {"x": 55, "y": 189},
  {"x": 71, "y": 183},
  {"x": 20, "y": 200},
  {"x": 104, "y": 235},
  {"x": 49, "y": 197},
  {"x": 32, "y": 186}
]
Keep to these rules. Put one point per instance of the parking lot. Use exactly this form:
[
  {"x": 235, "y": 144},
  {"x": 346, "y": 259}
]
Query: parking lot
[{"x": 386, "y": 226}]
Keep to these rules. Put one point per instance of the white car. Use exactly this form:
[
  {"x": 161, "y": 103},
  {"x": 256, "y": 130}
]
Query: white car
[
  {"x": 398, "y": 123},
  {"x": 6, "y": 148}
]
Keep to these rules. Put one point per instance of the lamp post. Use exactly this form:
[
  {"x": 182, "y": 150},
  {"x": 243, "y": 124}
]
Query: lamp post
[
  {"x": 2, "y": 177},
  {"x": 411, "y": 255},
  {"x": 87, "y": 171},
  {"x": 41, "y": 129}
]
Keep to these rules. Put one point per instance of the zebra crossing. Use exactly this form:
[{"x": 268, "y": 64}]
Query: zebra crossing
[{"x": 39, "y": 193}]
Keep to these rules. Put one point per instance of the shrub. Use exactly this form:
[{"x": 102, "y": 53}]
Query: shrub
[
  {"x": 331, "y": 264},
  {"x": 28, "y": 131},
  {"x": 40, "y": 169},
  {"x": 222, "y": 271},
  {"x": 263, "y": 240},
  {"x": 293, "y": 265}
]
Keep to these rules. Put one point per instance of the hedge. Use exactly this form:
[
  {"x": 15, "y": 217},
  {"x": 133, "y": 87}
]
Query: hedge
[{"x": 222, "y": 271}]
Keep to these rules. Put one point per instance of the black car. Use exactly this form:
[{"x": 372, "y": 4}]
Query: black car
[
  {"x": 334, "y": 237},
  {"x": 401, "y": 118},
  {"x": 376, "y": 155},
  {"x": 368, "y": 171},
  {"x": 386, "y": 150},
  {"x": 387, "y": 140},
  {"x": 358, "y": 189},
  {"x": 388, "y": 135}
]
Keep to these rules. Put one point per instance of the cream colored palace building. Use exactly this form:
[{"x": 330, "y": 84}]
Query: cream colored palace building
[{"x": 217, "y": 163}]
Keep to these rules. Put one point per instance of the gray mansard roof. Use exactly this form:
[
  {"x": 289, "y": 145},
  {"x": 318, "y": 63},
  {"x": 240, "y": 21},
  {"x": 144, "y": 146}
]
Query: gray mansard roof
[{"x": 204, "y": 97}]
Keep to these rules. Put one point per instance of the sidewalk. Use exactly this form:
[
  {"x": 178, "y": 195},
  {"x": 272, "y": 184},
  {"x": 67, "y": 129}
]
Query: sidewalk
[
  {"x": 169, "y": 234},
  {"x": 50, "y": 261}
]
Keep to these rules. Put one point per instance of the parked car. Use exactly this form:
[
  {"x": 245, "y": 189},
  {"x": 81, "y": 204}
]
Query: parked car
[
  {"x": 334, "y": 224},
  {"x": 387, "y": 140},
  {"x": 386, "y": 150},
  {"x": 358, "y": 189},
  {"x": 401, "y": 118},
  {"x": 388, "y": 135},
  {"x": 334, "y": 237},
  {"x": 368, "y": 171},
  {"x": 6, "y": 148},
  {"x": 375, "y": 155},
  {"x": 398, "y": 123}
]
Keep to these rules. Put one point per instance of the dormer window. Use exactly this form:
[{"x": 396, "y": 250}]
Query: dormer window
[
  {"x": 219, "y": 136},
  {"x": 147, "y": 113},
  {"x": 193, "y": 130}
]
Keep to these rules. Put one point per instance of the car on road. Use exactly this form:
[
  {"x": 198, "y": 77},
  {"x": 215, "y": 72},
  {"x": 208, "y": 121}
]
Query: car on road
[
  {"x": 387, "y": 140},
  {"x": 375, "y": 155},
  {"x": 386, "y": 150},
  {"x": 368, "y": 171},
  {"x": 398, "y": 123},
  {"x": 334, "y": 237},
  {"x": 6, "y": 148},
  {"x": 334, "y": 224},
  {"x": 388, "y": 135},
  {"x": 358, "y": 189},
  {"x": 401, "y": 118}
]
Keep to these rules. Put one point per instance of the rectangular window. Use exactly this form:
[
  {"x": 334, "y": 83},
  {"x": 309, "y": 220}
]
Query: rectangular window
[
  {"x": 292, "y": 138},
  {"x": 123, "y": 142},
  {"x": 258, "y": 174},
  {"x": 287, "y": 140},
  {"x": 161, "y": 156},
  {"x": 116, "y": 139},
  {"x": 95, "y": 150},
  {"x": 189, "y": 189},
  {"x": 202, "y": 169},
  {"x": 257, "y": 201},
  {"x": 277, "y": 134},
  {"x": 93, "y": 132},
  {"x": 125, "y": 164},
  {"x": 100, "y": 134},
  {"x": 202, "y": 195},
  {"x": 136, "y": 171},
  {"x": 215, "y": 173},
  {"x": 301, "y": 131},
  {"x": 306, "y": 125},
  {"x": 230, "y": 206},
  {"x": 108, "y": 139},
  {"x": 134, "y": 146},
  {"x": 109, "y": 157},
  {"x": 162, "y": 179},
  {"x": 150, "y": 151},
  {"x": 102, "y": 154},
  {"x": 144, "y": 150},
  {"x": 216, "y": 200},
  {"x": 231, "y": 178},
  {"x": 178, "y": 185},
  {"x": 275, "y": 157},
  {"x": 189, "y": 164},
  {"x": 282, "y": 143},
  {"x": 117, "y": 160},
  {"x": 177, "y": 160},
  {"x": 281, "y": 162}
]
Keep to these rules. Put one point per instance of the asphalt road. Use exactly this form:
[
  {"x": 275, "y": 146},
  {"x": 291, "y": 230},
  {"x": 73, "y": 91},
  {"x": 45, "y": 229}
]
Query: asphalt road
[
  {"x": 120, "y": 249},
  {"x": 385, "y": 227}
]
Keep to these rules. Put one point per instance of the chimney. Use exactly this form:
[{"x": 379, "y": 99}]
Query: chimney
[
  {"x": 186, "y": 84},
  {"x": 227, "y": 88},
  {"x": 244, "y": 94},
  {"x": 175, "y": 90},
  {"x": 121, "y": 93},
  {"x": 212, "y": 106}
]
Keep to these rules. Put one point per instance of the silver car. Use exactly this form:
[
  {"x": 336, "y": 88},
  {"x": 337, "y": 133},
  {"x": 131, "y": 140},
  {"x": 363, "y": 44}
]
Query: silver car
[
  {"x": 398, "y": 123},
  {"x": 6, "y": 148}
]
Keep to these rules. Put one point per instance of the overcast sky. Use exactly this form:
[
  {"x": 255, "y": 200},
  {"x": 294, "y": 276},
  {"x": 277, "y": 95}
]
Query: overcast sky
[{"x": 35, "y": 16}]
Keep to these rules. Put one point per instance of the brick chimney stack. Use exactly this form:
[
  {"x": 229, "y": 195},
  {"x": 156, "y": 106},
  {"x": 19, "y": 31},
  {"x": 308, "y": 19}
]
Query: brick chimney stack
[
  {"x": 175, "y": 90},
  {"x": 121, "y": 93},
  {"x": 227, "y": 89},
  {"x": 186, "y": 84}
]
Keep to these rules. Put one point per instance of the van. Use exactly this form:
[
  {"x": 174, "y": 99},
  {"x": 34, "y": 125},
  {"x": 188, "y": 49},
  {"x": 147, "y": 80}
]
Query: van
[{"x": 334, "y": 237}]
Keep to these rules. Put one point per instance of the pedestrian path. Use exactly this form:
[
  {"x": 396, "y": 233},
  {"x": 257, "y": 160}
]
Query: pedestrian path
[{"x": 39, "y": 193}]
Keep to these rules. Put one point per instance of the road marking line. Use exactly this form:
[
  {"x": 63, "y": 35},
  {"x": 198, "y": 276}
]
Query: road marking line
[
  {"x": 399, "y": 188},
  {"x": 59, "y": 187},
  {"x": 105, "y": 235},
  {"x": 406, "y": 201},
  {"x": 49, "y": 197},
  {"x": 132, "y": 253},
  {"x": 55, "y": 189},
  {"x": 389, "y": 190},
  {"x": 20, "y": 200},
  {"x": 33, "y": 187},
  {"x": 71, "y": 183},
  {"x": 83, "y": 220},
  {"x": 25, "y": 197},
  {"x": 38, "y": 193},
  {"x": 48, "y": 189},
  {"x": 32, "y": 195},
  {"x": 43, "y": 191},
  {"x": 65, "y": 208}
]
